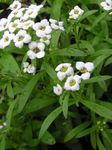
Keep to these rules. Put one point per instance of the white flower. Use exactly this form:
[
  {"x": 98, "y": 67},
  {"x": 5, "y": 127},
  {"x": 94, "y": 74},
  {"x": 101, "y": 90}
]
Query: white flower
[
  {"x": 72, "y": 83},
  {"x": 29, "y": 68},
  {"x": 56, "y": 24},
  {"x": 4, "y": 24},
  {"x": 85, "y": 69},
  {"x": 15, "y": 5},
  {"x": 42, "y": 28},
  {"x": 46, "y": 39},
  {"x": 6, "y": 39},
  {"x": 21, "y": 37},
  {"x": 76, "y": 12},
  {"x": 27, "y": 24},
  {"x": 1, "y": 126},
  {"x": 64, "y": 70},
  {"x": 32, "y": 11},
  {"x": 57, "y": 89},
  {"x": 107, "y": 4},
  {"x": 36, "y": 50},
  {"x": 16, "y": 14},
  {"x": 14, "y": 25}
]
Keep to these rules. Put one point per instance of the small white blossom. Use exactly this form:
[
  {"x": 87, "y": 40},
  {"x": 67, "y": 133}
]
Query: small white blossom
[
  {"x": 21, "y": 37},
  {"x": 14, "y": 25},
  {"x": 1, "y": 126},
  {"x": 16, "y": 14},
  {"x": 36, "y": 50},
  {"x": 56, "y": 24},
  {"x": 76, "y": 12},
  {"x": 32, "y": 11},
  {"x": 85, "y": 69},
  {"x": 6, "y": 39},
  {"x": 72, "y": 83},
  {"x": 64, "y": 70},
  {"x": 107, "y": 5},
  {"x": 46, "y": 39},
  {"x": 27, "y": 24},
  {"x": 57, "y": 89},
  {"x": 42, "y": 28},
  {"x": 29, "y": 68},
  {"x": 15, "y": 5},
  {"x": 4, "y": 24}
]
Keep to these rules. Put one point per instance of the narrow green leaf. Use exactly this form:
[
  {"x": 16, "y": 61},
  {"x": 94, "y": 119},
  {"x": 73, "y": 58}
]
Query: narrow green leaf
[
  {"x": 75, "y": 131},
  {"x": 2, "y": 142},
  {"x": 47, "y": 122},
  {"x": 10, "y": 91},
  {"x": 23, "y": 97},
  {"x": 93, "y": 139},
  {"x": 65, "y": 106},
  {"x": 48, "y": 138},
  {"x": 98, "y": 79},
  {"x": 50, "y": 71},
  {"x": 100, "y": 145},
  {"x": 99, "y": 109}
]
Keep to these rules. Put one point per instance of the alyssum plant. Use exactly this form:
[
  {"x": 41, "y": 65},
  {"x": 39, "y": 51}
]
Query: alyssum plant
[{"x": 51, "y": 83}]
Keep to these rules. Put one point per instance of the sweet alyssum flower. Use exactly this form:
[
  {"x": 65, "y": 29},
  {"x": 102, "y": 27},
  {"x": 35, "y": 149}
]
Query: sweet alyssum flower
[
  {"x": 46, "y": 39},
  {"x": 29, "y": 68},
  {"x": 27, "y": 24},
  {"x": 15, "y": 5},
  {"x": 57, "y": 89},
  {"x": 107, "y": 4},
  {"x": 42, "y": 28},
  {"x": 6, "y": 39},
  {"x": 56, "y": 24},
  {"x": 85, "y": 69},
  {"x": 72, "y": 83},
  {"x": 21, "y": 37},
  {"x": 64, "y": 70},
  {"x": 76, "y": 12},
  {"x": 32, "y": 12},
  {"x": 36, "y": 50},
  {"x": 4, "y": 24},
  {"x": 14, "y": 25}
]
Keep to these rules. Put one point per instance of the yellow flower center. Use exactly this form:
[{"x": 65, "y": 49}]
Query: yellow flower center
[
  {"x": 76, "y": 11},
  {"x": 64, "y": 69},
  {"x": 83, "y": 70},
  {"x": 42, "y": 28},
  {"x": 72, "y": 82},
  {"x": 36, "y": 50},
  {"x": 20, "y": 38},
  {"x": 6, "y": 39}
]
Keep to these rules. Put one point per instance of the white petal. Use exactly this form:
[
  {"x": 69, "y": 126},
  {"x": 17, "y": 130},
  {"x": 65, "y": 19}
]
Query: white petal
[
  {"x": 85, "y": 76},
  {"x": 89, "y": 66},
  {"x": 79, "y": 65},
  {"x": 61, "y": 75},
  {"x": 57, "y": 89},
  {"x": 41, "y": 46}
]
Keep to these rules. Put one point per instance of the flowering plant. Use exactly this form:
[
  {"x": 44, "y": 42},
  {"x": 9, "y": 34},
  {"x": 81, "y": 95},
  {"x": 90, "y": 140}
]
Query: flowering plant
[{"x": 55, "y": 75}]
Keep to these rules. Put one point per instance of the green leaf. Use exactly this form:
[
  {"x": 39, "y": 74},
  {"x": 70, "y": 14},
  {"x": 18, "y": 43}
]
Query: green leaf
[
  {"x": 65, "y": 106},
  {"x": 50, "y": 71},
  {"x": 99, "y": 18},
  {"x": 10, "y": 91},
  {"x": 75, "y": 131},
  {"x": 99, "y": 109},
  {"x": 100, "y": 145},
  {"x": 93, "y": 139},
  {"x": 47, "y": 122},
  {"x": 2, "y": 142},
  {"x": 86, "y": 132},
  {"x": 48, "y": 138},
  {"x": 8, "y": 64},
  {"x": 68, "y": 52},
  {"x": 26, "y": 92},
  {"x": 87, "y": 14},
  {"x": 39, "y": 103},
  {"x": 97, "y": 79},
  {"x": 50, "y": 118},
  {"x": 56, "y": 9}
]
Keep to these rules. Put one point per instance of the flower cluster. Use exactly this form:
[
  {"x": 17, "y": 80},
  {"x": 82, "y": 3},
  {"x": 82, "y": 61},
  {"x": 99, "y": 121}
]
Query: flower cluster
[
  {"x": 107, "y": 5},
  {"x": 75, "y": 13},
  {"x": 70, "y": 80},
  {"x": 21, "y": 29}
]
